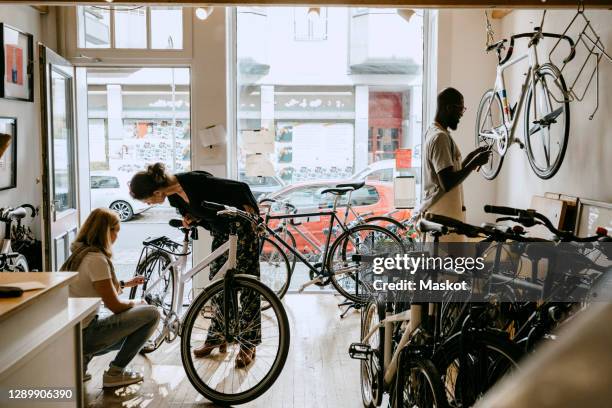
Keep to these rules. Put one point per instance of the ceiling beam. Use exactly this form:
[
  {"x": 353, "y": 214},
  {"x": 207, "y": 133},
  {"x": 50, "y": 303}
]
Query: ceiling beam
[
  {"x": 41, "y": 9},
  {"x": 505, "y": 4}
]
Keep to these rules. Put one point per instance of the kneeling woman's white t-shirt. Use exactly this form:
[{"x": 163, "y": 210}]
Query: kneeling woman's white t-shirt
[{"x": 94, "y": 267}]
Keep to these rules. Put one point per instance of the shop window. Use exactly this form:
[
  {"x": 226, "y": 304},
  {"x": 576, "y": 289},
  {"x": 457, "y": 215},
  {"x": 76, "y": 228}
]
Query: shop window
[{"x": 135, "y": 27}]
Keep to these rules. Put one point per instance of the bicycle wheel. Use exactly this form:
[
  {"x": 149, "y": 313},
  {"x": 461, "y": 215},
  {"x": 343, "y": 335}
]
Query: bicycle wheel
[
  {"x": 371, "y": 373},
  {"x": 275, "y": 270},
  {"x": 352, "y": 277},
  {"x": 471, "y": 366},
  {"x": 393, "y": 225},
  {"x": 288, "y": 237},
  {"x": 215, "y": 376},
  {"x": 152, "y": 267},
  {"x": 491, "y": 132},
  {"x": 18, "y": 264},
  {"x": 419, "y": 384},
  {"x": 547, "y": 122}
]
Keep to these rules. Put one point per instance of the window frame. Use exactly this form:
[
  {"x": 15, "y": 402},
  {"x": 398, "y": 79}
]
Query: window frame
[{"x": 99, "y": 56}]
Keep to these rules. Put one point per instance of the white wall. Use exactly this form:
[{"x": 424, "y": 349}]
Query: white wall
[
  {"x": 464, "y": 65},
  {"x": 586, "y": 169},
  {"x": 29, "y": 189}
]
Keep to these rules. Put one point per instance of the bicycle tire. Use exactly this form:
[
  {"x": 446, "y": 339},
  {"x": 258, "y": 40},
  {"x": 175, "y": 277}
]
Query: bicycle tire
[
  {"x": 371, "y": 372},
  {"x": 217, "y": 289},
  {"x": 143, "y": 269},
  {"x": 342, "y": 244},
  {"x": 289, "y": 239},
  {"x": 19, "y": 264},
  {"x": 389, "y": 220},
  {"x": 465, "y": 388},
  {"x": 270, "y": 254},
  {"x": 493, "y": 166},
  {"x": 419, "y": 384},
  {"x": 549, "y": 171}
]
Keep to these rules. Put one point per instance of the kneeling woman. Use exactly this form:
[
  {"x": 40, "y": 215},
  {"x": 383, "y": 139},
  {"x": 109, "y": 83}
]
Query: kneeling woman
[
  {"x": 186, "y": 192},
  {"x": 130, "y": 324}
]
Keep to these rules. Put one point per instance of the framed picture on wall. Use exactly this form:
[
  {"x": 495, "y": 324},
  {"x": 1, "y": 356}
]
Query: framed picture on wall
[
  {"x": 8, "y": 153},
  {"x": 16, "y": 64}
]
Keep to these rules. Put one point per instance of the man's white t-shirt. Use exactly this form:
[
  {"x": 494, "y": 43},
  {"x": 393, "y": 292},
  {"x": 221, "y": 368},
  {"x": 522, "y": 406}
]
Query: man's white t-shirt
[
  {"x": 94, "y": 267},
  {"x": 440, "y": 152}
]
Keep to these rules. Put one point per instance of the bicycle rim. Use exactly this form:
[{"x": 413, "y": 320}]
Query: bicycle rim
[
  {"x": 275, "y": 270},
  {"x": 490, "y": 120},
  {"x": 419, "y": 384},
  {"x": 371, "y": 374},
  {"x": 353, "y": 278},
  {"x": 486, "y": 356},
  {"x": 216, "y": 376},
  {"x": 162, "y": 296},
  {"x": 546, "y": 145}
]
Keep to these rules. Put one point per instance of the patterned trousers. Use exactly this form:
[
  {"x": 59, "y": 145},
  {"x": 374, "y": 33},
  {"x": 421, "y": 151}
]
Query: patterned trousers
[{"x": 247, "y": 262}]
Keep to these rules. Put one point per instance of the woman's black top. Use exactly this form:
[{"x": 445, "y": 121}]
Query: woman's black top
[{"x": 203, "y": 186}]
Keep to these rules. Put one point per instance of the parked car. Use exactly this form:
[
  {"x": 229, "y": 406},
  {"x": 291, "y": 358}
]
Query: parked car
[
  {"x": 262, "y": 185},
  {"x": 382, "y": 170},
  {"x": 375, "y": 198},
  {"x": 111, "y": 191}
]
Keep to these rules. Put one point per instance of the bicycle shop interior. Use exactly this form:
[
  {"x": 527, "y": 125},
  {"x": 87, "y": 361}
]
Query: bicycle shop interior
[{"x": 320, "y": 109}]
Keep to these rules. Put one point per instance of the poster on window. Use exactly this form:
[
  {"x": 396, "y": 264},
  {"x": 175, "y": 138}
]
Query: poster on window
[
  {"x": 311, "y": 151},
  {"x": 17, "y": 48}
]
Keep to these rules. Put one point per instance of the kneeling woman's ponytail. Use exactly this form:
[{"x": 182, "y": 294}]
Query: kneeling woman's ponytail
[{"x": 146, "y": 182}]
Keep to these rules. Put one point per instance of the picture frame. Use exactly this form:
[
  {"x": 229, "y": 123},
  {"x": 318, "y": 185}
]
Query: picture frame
[
  {"x": 8, "y": 150},
  {"x": 16, "y": 64}
]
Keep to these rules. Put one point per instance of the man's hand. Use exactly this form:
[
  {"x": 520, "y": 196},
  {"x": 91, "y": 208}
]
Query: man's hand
[
  {"x": 475, "y": 152},
  {"x": 481, "y": 158}
]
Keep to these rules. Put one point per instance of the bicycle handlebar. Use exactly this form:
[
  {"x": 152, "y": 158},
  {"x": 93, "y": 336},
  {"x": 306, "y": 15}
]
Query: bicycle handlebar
[
  {"x": 533, "y": 40},
  {"x": 528, "y": 218},
  {"x": 226, "y": 210}
]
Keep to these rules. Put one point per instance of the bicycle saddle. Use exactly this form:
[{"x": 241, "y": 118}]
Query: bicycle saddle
[
  {"x": 15, "y": 214},
  {"x": 337, "y": 191},
  {"x": 354, "y": 186},
  {"x": 428, "y": 226},
  {"x": 176, "y": 223}
]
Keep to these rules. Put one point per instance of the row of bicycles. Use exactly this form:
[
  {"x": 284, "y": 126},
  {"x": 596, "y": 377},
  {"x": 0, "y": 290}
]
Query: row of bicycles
[
  {"x": 449, "y": 352},
  {"x": 421, "y": 353}
]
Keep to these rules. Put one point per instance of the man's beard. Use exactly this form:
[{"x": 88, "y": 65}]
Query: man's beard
[{"x": 453, "y": 125}]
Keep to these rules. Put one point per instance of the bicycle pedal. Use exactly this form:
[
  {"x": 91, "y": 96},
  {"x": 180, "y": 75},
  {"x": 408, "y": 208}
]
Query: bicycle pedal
[{"x": 360, "y": 351}]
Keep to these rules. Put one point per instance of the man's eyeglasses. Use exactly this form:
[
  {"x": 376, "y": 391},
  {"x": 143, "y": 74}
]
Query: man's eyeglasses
[{"x": 460, "y": 108}]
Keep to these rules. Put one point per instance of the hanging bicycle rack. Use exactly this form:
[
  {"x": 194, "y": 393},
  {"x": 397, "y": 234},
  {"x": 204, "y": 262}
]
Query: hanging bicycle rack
[{"x": 595, "y": 52}]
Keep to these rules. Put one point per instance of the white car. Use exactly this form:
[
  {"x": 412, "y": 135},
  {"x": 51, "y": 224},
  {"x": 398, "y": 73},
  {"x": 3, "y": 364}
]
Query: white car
[{"x": 111, "y": 191}]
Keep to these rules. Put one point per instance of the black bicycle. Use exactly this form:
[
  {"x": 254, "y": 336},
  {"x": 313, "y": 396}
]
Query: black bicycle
[{"x": 338, "y": 263}]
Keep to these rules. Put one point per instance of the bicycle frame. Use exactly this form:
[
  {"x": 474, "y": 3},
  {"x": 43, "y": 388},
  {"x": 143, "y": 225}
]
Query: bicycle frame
[
  {"x": 510, "y": 121},
  {"x": 178, "y": 265}
]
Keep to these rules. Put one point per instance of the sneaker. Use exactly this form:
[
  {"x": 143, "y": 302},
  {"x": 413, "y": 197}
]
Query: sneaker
[
  {"x": 115, "y": 378},
  {"x": 86, "y": 377}
]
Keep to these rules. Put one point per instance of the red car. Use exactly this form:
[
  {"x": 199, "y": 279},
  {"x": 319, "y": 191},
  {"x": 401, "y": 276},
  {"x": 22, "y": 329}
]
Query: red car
[{"x": 375, "y": 198}]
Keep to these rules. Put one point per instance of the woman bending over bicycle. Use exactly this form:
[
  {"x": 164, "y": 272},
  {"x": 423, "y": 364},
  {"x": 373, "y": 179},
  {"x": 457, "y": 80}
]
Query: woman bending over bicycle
[
  {"x": 186, "y": 192},
  {"x": 131, "y": 324}
]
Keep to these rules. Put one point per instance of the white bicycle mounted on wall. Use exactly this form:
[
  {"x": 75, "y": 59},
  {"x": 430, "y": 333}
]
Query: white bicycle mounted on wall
[{"x": 546, "y": 113}]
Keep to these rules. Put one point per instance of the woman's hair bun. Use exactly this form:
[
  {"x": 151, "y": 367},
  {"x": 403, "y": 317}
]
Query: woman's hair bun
[{"x": 157, "y": 172}]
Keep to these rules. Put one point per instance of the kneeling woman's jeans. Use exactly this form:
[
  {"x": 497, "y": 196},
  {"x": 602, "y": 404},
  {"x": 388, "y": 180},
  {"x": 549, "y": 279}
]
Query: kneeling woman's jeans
[{"x": 126, "y": 331}]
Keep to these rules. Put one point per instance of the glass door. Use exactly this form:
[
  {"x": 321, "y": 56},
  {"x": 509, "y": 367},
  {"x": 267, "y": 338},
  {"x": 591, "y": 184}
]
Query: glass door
[{"x": 60, "y": 201}]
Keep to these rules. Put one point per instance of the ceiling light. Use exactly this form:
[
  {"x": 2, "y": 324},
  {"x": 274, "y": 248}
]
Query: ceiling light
[
  {"x": 405, "y": 13},
  {"x": 202, "y": 13},
  {"x": 314, "y": 12}
]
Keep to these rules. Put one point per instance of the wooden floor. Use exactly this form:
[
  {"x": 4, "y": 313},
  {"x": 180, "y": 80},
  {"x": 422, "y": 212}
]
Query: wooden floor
[{"x": 318, "y": 372}]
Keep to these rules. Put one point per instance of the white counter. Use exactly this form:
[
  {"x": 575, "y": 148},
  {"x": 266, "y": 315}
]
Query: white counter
[{"x": 40, "y": 339}]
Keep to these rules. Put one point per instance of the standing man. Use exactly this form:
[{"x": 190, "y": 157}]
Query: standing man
[{"x": 444, "y": 170}]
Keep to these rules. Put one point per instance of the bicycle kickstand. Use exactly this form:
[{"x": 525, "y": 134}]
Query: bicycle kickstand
[{"x": 349, "y": 305}]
